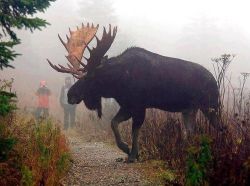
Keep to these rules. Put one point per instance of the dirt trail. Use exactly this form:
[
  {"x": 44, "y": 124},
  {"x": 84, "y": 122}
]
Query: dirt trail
[{"x": 97, "y": 163}]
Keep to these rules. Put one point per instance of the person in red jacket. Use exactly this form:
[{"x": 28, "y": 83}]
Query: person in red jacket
[{"x": 43, "y": 94}]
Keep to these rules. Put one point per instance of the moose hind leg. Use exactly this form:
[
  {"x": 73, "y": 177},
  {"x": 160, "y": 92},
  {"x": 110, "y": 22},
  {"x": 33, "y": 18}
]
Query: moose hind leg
[
  {"x": 138, "y": 119},
  {"x": 189, "y": 119},
  {"x": 121, "y": 116},
  {"x": 213, "y": 118}
]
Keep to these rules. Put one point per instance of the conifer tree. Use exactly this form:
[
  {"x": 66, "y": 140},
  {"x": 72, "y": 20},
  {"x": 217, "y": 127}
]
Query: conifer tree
[{"x": 18, "y": 14}]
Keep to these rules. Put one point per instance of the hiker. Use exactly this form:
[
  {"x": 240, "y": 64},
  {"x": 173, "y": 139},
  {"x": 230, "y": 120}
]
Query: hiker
[
  {"x": 69, "y": 110},
  {"x": 43, "y": 94}
]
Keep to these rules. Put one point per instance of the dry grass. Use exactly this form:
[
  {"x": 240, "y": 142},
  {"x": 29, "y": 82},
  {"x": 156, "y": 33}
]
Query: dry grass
[
  {"x": 95, "y": 129},
  {"x": 161, "y": 138},
  {"x": 40, "y": 155}
]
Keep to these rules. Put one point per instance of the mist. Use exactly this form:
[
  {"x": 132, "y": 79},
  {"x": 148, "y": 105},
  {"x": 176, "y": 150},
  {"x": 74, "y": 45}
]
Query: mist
[{"x": 193, "y": 30}]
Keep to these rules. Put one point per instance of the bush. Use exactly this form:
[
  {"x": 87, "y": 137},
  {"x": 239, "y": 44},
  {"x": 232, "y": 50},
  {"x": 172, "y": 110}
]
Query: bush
[
  {"x": 45, "y": 154},
  {"x": 198, "y": 163},
  {"x": 40, "y": 155},
  {"x": 6, "y": 102}
]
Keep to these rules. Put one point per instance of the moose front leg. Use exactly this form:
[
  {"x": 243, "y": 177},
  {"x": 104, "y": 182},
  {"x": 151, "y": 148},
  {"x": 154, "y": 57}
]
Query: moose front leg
[
  {"x": 121, "y": 116},
  {"x": 138, "y": 119}
]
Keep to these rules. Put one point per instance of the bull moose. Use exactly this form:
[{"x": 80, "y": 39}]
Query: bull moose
[{"x": 139, "y": 79}]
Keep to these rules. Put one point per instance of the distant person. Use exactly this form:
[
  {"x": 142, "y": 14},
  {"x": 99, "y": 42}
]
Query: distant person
[
  {"x": 43, "y": 94},
  {"x": 69, "y": 110}
]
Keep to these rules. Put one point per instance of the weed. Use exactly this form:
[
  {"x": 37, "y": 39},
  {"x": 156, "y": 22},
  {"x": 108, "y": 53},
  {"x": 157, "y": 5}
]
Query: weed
[
  {"x": 198, "y": 161},
  {"x": 27, "y": 176}
]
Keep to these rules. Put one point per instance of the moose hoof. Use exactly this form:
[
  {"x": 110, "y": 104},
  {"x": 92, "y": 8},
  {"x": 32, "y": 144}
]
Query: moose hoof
[
  {"x": 131, "y": 160},
  {"x": 124, "y": 147}
]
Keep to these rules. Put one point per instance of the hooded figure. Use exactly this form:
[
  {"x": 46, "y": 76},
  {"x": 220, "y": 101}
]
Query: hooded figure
[{"x": 69, "y": 110}]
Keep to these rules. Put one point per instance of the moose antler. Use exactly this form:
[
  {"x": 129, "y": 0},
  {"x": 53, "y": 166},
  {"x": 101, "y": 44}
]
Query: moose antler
[
  {"x": 97, "y": 53},
  {"x": 76, "y": 73},
  {"x": 75, "y": 46}
]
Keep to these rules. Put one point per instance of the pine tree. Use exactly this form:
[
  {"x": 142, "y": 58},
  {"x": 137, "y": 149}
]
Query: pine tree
[{"x": 18, "y": 14}]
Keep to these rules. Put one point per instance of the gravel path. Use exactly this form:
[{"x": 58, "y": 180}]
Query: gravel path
[{"x": 97, "y": 163}]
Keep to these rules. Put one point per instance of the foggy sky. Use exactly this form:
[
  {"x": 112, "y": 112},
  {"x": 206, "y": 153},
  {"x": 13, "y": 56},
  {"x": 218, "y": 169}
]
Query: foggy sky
[{"x": 193, "y": 30}]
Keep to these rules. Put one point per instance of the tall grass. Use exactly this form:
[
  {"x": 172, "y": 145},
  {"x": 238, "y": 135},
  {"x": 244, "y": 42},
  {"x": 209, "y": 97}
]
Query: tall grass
[
  {"x": 93, "y": 128},
  {"x": 40, "y": 155}
]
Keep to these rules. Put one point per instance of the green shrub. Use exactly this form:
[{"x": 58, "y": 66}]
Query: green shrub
[
  {"x": 6, "y": 144},
  {"x": 198, "y": 161},
  {"x": 7, "y": 102},
  {"x": 27, "y": 176},
  {"x": 63, "y": 162}
]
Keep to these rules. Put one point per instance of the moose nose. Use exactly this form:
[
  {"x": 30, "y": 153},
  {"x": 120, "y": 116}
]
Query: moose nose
[{"x": 71, "y": 101}]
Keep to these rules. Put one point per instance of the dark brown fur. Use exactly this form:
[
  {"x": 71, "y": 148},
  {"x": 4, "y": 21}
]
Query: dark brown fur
[{"x": 138, "y": 79}]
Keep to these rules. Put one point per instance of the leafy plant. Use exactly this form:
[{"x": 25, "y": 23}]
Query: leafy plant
[
  {"x": 7, "y": 98},
  {"x": 7, "y": 104},
  {"x": 6, "y": 144},
  {"x": 27, "y": 176},
  {"x": 198, "y": 161},
  {"x": 63, "y": 162}
]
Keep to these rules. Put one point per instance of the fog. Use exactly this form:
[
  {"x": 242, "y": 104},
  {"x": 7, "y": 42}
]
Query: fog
[{"x": 193, "y": 30}]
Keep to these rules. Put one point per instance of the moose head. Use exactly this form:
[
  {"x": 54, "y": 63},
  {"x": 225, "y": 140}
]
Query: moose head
[{"x": 85, "y": 88}]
